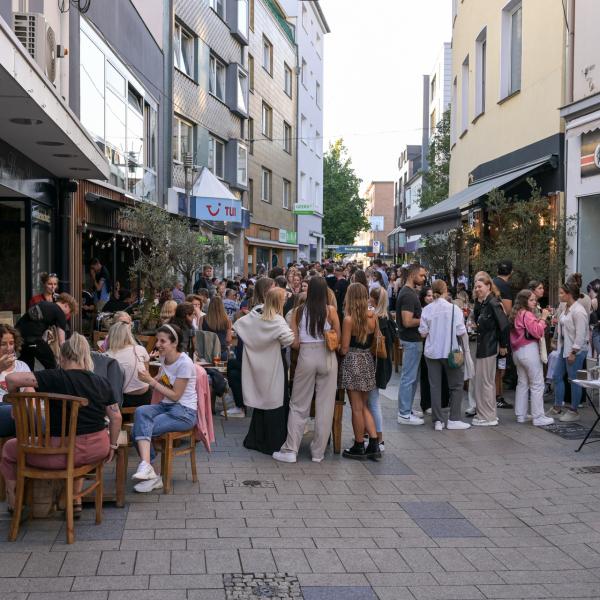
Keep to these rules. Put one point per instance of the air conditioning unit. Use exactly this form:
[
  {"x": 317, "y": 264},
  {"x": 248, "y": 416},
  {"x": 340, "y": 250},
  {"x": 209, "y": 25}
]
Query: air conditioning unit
[{"x": 39, "y": 40}]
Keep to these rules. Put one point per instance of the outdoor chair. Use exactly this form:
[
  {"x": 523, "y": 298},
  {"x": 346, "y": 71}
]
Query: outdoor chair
[{"x": 32, "y": 418}]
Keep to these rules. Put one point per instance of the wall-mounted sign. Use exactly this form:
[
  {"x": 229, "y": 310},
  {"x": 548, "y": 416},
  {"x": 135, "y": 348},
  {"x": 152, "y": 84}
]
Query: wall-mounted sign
[
  {"x": 377, "y": 247},
  {"x": 215, "y": 209},
  {"x": 590, "y": 153},
  {"x": 348, "y": 249},
  {"x": 288, "y": 237},
  {"x": 303, "y": 208},
  {"x": 41, "y": 214}
]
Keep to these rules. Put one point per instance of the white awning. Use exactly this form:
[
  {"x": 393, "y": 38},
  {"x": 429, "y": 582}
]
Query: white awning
[
  {"x": 270, "y": 243},
  {"x": 208, "y": 185}
]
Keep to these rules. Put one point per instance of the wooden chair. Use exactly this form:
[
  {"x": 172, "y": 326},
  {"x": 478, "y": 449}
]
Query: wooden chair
[
  {"x": 149, "y": 340},
  {"x": 165, "y": 443},
  {"x": 98, "y": 336},
  {"x": 32, "y": 419},
  {"x": 338, "y": 413}
]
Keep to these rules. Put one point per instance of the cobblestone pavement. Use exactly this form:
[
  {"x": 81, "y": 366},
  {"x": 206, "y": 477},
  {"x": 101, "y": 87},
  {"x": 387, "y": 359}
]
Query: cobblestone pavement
[{"x": 506, "y": 512}]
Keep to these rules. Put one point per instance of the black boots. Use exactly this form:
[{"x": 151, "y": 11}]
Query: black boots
[
  {"x": 372, "y": 450},
  {"x": 357, "y": 451}
]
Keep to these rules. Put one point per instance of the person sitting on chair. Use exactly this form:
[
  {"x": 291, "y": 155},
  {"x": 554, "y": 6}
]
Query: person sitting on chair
[
  {"x": 93, "y": 442},
  {"x": 176, "y": 411}
]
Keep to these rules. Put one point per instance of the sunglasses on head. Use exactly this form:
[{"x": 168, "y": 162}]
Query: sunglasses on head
[{"x": 53, "y": 275}]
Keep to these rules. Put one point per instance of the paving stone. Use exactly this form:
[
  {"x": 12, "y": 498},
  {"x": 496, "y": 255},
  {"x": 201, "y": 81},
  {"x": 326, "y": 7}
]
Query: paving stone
[
  {"x": 388, "y": 561},
  {"x": 149, "y": 562},
  {"x": 390, "y": 464},
  {"x": 118, "y": 562},
  {"x": 356, "y": 560},
  {"x": 206, "y": 595},
  {"x": 393, "y": 593},
  {"x": 35, "y": 584},
  {"x": 291, "y": 560},
  {"x": 12, "y": 564},
  {"x": 338, "y": 593},
  {"x": 431, "y": 510},
  {"x": 448, "y": 528},
  {"x": 324, "y": 561},
  {"x": 447, "y": 592},
  {"x": 66, "y": 596},
  {"x": 222, "y": 561},
  {"x": 255, "y": 560},
  {"x": 186, "y": 582},
  {"x": 149, "y": 595},
  {"x": 43, "y": 564},
  {"x": 108, "y": 582},
  {"x": 514, "y": 591}
]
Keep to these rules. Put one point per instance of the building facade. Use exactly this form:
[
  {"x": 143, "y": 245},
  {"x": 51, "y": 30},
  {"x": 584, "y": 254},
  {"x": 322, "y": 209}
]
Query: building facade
[
  {"x": 311, "y": 28},
  {"x": 440, "y": 87},
  {"x": 582, "y": 118},
  {"x": 379, "y": 211},
  {"x": 507, "y": 64},
  {"x": 271, "y": 239}
]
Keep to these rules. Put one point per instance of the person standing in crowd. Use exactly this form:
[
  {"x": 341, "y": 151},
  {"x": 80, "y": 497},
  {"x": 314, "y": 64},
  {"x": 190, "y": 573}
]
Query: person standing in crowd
[
  {"x": 341, "y": 286},
  {"x": 593, "y": 289},
  {"x": 378, "y": 266},
  {"x": 502, "y": 283},
  {"x": 34, "y": 324},
  {"x": 572, "y": 339},
  {"x": 378, "y": 301},
  {"x": 360, "y": 276},
  {"x": 492, "y": 340},
  {"x": 121, "y": 345},
  {"x": 167, "y": 311},
  {"x": 358, "y": 369},
  {"x": 217, "y": 321},
  {"x": 230, "y": 303},
  {"x": 315, "y": 374},
  {"x": 264, "y": 335},
  {"x": 527, "y": 329},
  {"x": 100, "y": 282},
  {"x": 376, "y": 280},
  {"x": 408, "y": 317},
  {"x": 442, "y": 326},
  {"x": 330, "y": 277},
  {"x": 204, "y": 281},
  {"x": 49, "y": 292},
  {"x": 178, "y": 293}
]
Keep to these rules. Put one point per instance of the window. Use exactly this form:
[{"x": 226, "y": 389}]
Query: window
[
  {"x": 287, "y": 137},
  {"x": 250, "y": 195},
  {"x": 251, "y": 135},
  {"x": 453, "y": 116},
  {"x": 318, "y": 199},
  {"x": 150, "y": 137},
  {"x": 464, "y": 96},
  {"x": 267, "y": 120},
  {"x": 183, "y": 134},
  {"x": 242, "y": 165},
  {"x": 432, "y": 122},
  {"x": 216, "y": 78},
  {"x": 183, "y": 50},
  {"x": 287, "y": 79},
  {"x": 267, "y": 56},
  {"x": 318, "y": 144},
  {"x": 512, "y": 43},
  {"x": 218, "y": 6},
  {"x": 318, "y": 94},
  {"x": 304, "y": 18},
  {"x": 216, "y": 156},
  {"x": 266, "y": 185},
  {"x": 480, "y": 72},
  {"x": 303, "y": 73},
  {"x": 242, "y": 91},
  {"x": 251, "y": 72},
  {"x": 287, "y": 193},
  {"x": 252, "y": 15},
  {"x": 242, "y": 16},
  {"x": 303, "y": 132}
]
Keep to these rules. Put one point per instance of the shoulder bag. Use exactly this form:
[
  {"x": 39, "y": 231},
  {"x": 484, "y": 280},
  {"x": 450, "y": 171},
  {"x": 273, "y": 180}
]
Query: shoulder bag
[
  {"x": 378, "y": 348},
  {"x": 456, "y": 357}
]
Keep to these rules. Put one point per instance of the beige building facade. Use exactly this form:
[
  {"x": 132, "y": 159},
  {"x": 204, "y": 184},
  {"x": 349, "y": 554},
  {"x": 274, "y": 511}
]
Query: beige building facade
[
  {"x": 379, "y": 212},
  {"x": 271, "y": 239}
]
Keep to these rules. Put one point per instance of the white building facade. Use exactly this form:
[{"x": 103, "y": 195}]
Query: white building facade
[
  {"x": 311, "y": 28},
  {"x": 440, "y": 86}
]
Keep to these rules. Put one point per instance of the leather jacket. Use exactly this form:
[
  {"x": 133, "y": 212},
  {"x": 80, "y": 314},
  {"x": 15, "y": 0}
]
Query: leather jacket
[{"x": 492, "y": 327}]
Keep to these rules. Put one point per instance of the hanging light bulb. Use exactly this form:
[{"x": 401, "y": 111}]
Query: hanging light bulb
[
  {"x": 97, "y": 243},
  {"x": 102, "y": 247},
  {"x": 123, "y": 239},
  {"x": 90, "y": 236},
  {"x": 108, "y": 245}
]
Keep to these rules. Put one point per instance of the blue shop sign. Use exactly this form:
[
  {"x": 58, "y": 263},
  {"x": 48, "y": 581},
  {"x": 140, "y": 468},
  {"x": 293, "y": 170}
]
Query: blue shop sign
[{"x": 216, "y": 209}]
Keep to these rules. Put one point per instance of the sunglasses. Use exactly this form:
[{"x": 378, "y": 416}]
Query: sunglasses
[{"x": 53, "y": 275}]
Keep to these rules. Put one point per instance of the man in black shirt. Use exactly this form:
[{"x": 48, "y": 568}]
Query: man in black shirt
[
  {"x": 340, "y": 289},
  {"x": 502, "y": 282},
  {"x": 205, "y": 281},
  {"x": 34, "y": 324},
  {"x": 330, "y": 277},
  {"x": 408, "y": 317}
]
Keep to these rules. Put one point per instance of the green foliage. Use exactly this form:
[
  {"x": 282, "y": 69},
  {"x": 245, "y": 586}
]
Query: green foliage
[
  {"x": 438, "y": 251},
  {"x": 527, "y": 232},
  {"x": 436, "y": 178},
  {"x": 343, "y": 208}
]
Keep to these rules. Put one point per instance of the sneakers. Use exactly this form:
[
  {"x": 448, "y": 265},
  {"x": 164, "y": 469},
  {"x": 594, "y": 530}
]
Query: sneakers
[
  {"x": 287, "y": 457},
  {"x": 502, "y": 403},
  {"x": 524, "y": 418},
  {"x": 457, "y": 425},
  {"x": 438, "y": 426},
  {"x": 569, "y": 416},
  {"x": 318, "y": 460},
  {"x": 357, "y": 451},
  {"x": 144, "y": 472},
  {"x": 484, "y": 422},
  {"x": 235, "y": 412},
  {"x": 543, "y": 421},
  {"x": 410, "y": 420},
  {"x": 470, "y": 412},
  {"x": 381, "y": 446},
  {"x": 149, "y": 485},
  {"x": 418, "y": 413},
  {"x": 428, "y": 411},
  {"x": 555, "y": 410}
]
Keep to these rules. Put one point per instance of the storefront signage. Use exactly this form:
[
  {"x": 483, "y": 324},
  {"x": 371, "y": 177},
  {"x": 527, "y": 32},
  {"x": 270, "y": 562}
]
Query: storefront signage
[
  {"x": 377, "y": 247},
  {"x": 288, "y": 237},
  {"x": 215, "y": 209},
  {"x": 348, "y": 249},
  {"x": 41, "y": 214},
  {"x": 304, "y": 208},
  {"x": 590, "y": 153}
]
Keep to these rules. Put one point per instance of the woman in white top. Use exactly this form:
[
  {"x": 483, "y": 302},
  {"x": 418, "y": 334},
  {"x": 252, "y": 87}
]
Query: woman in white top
[
  {"x": 316, "y": 371},
  {"x": 121, "y": 345},
  {"x": 10, "y": 344},
  {"x": 442, "y": 324},
  {"x": 176, "y": 384}
]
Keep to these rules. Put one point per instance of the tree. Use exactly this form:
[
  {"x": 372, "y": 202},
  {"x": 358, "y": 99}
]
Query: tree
[
  {"x": 343, "y": 208},
  {"x": 437, "y": 176},
  {"x": 438, "y": 252}
]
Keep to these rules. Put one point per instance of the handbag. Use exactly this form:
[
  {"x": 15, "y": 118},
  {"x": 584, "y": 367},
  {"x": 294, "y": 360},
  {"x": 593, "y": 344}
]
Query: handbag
[
  {"x": 331, "y": 340},
  {"x": 456, "y": 357},
  {"x": 378, "y": 349}
]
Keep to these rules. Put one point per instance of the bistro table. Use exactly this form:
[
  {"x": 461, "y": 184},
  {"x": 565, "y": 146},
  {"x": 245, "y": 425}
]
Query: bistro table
[{"x": 589, "y": 384}]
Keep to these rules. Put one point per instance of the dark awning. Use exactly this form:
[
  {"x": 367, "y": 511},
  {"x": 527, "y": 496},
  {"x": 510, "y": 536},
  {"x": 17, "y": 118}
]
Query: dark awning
[{"x": 447, "y": 214}]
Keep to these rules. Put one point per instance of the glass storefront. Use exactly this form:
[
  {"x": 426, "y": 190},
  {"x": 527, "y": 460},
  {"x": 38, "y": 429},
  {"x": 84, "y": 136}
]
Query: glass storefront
[
  {"x": 588, "y": 228},
  {"x": 41, "y": 243},
  {"x": 13, "y": 259}
]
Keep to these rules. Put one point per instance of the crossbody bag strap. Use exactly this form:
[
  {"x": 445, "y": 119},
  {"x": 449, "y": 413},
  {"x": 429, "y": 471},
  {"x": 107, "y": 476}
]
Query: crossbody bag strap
[{"x": 452, "y": 336}]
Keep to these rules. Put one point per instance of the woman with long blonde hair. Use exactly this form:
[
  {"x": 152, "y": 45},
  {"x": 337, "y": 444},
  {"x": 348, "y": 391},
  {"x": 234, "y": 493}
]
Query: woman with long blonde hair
[{"x": 358, "y": 369}]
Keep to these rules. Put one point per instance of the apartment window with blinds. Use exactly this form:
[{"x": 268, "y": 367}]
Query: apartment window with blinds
[
  {"x": 217, "y": 76},
  {"x": 267, "y": 56},
  {"x": 287, "y": 194},
  {"x": 267, "y": 120},
  {"x": 287, "y": 137},
  {"x": 266, "y": 187},
  {"x": 480, "y": 72}
]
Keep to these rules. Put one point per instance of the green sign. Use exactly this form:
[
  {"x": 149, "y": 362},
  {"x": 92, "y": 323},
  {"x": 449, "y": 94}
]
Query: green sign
[
  {"x": 304, "y": 208},
  {"x": 202, "y": 239}
]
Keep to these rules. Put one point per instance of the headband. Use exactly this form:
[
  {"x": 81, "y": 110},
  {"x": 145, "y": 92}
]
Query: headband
[{"x": 173, "y": 332}]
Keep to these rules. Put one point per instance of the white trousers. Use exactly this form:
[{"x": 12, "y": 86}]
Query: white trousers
[{"x": 530, "y": 374}]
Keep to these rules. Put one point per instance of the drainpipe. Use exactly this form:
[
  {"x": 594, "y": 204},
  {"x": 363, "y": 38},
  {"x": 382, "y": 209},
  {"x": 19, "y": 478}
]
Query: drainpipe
[
  {"x": 167, "y": 107},
  {"x": 297, "y": 71},
  {"x": 571, "y": 51}
]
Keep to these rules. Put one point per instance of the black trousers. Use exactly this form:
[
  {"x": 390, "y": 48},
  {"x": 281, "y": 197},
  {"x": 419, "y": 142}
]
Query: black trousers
[
  {"x": 38, "y": 349},
  {"x": 234, "y": 378}
]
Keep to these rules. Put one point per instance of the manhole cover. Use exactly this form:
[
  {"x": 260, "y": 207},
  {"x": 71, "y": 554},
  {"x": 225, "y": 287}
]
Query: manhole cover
[
  {"x": 250, "y": 586},
  {"x": 251, "y": 483},
  {"x": 592, "y": 469},
  {"x": 571, "y": 431}
]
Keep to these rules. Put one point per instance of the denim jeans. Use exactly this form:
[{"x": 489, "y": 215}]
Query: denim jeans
[
  {"x": 155, "y": 419},
  {"x": 411, "y": 358},
  {"x": 7, "y": 423},
  {"x": 375, "y": 408},
  {"x": 561, "y": 367}
]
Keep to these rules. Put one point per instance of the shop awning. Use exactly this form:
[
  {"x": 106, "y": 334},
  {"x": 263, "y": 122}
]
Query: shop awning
[
  {"x": 398, "y": 229},
  {"x": 270, "y": 243},
  {"x": 36, "y": 121},
  {"x": 448, "y": 214}
]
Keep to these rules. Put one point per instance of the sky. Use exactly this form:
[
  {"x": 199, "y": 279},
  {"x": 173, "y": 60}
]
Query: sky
[{"x": 375, "y": 57}]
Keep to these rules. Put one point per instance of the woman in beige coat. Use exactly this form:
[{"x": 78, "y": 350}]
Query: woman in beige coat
[{"x": 264, "y": 334}]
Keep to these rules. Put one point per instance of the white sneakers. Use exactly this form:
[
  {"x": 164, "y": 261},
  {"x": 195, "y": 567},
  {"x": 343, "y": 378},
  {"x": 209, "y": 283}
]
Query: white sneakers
[
  {"x": 524, "y": 418},
  {"x": 418, "y": 413},
  {"x": 438, "y": 426},
  {"x": 410, "y": 420},
  {"x": 542, "y": 421},
  {"x": 457, "y": 425},
  {"x": 149, "y": 485},
  {"x": 569, "y": 416},
  {"x": 484, "y": 422},
  {"x": 287, "y": 457},
  {"x": 144, "y": 472},
  {"x": 235, "y": 412}
]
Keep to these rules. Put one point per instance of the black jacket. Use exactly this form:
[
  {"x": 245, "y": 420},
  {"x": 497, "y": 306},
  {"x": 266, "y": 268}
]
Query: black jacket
[
  {"x": 492, "y": 327},
  {"x": 383, "y": 366}
]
